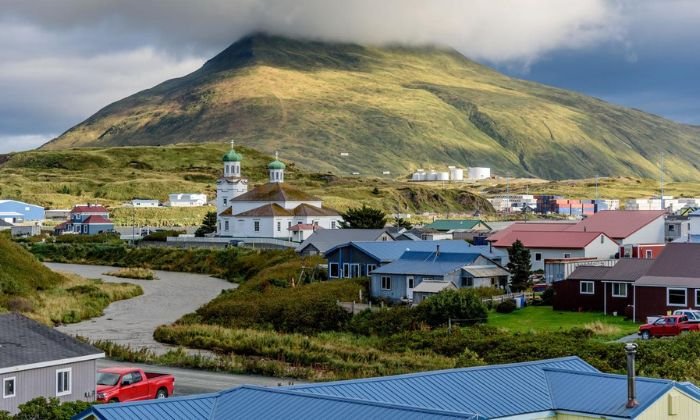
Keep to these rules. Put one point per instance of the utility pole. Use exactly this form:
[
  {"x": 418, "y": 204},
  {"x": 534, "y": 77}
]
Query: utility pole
[{"x": 663, "y": 207}]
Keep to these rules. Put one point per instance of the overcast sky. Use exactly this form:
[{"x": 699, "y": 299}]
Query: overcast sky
[{"x": 62, "y": 60}]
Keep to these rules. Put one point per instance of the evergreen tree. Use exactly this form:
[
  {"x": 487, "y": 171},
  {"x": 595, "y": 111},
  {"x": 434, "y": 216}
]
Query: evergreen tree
[
  {"x": 519, "y": 265},
  {"x": 363, "y": 218},
  {"x": 402, "y": 223},
  {"x": 208, "y": 225}
]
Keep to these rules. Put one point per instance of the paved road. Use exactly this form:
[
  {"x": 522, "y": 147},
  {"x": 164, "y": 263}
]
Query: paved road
[
  {"x": 189, "y": 381},
  {"x": 132, "y": 322}
]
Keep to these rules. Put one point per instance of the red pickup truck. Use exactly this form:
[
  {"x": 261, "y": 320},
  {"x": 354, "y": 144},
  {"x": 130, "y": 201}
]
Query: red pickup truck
[
  {"x": 666, "y": 326},
  {"x": 132, "y": 384}
]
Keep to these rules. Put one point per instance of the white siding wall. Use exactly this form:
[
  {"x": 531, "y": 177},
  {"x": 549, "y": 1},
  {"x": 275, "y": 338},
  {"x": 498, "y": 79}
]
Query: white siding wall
[
  {"x": 603, "y": 250},
  {"x": 653, "y": 233}
]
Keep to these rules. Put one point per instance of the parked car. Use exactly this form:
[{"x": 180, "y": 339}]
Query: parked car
[
  {"x": 668, "y": 326},
  {"x": 692, "y": 314},
  {"x": 132, "y": 384}
]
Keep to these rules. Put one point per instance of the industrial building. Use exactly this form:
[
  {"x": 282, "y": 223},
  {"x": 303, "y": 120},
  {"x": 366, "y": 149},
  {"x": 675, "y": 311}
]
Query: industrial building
[{"x": 453, "y": 174}]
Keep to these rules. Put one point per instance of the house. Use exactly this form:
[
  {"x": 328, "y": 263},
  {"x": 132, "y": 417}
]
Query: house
[
  {"x": 646, "y": 251},
  {"x": 506, "y": 228},
  {"x": 187, "y": 200},
  {"x": 144, "y": 202},
  {"x": 5, "y": 225},
  {"x": 13, "y": 211},
  {"x": 38, "y": 361},
  {"x": 565, "y": 388},
  {"x": 359, "y": 258},
  {"x": 57, "y": 214},
  {"x": 559, "y": 269},
  {"x": 396, "y": 281},
  {"x": 459, "y": 225},
  {"x": 676, "y": 227},
  {"x": 606, "y": 289},
  {"x": 545, "y": 245},
  {"x": 322, "y": 240},
  {"x": 672, "y": 282},
  {"x": 273, "y": 210},
  {"x": 26, "y": 230},
  {"x": 89, "y": 219},
  {"x": 626, "y": 227}
]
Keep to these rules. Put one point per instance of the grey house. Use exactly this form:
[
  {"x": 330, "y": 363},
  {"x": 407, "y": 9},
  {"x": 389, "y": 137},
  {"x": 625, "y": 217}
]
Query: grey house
[
  {"x": 38, "y": 361},
  {"x": 398, "y": 280},
  {"x": 324, "y": 239}
]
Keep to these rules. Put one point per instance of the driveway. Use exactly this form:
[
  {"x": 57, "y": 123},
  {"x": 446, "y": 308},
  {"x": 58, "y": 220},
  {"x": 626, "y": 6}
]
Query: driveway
[
  {"x": 190, "y": 381},
  {"x": 132, "y": 322}
]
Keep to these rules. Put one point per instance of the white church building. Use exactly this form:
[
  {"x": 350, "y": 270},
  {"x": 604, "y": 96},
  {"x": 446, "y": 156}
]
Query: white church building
[{"x": 272, "y": 210}]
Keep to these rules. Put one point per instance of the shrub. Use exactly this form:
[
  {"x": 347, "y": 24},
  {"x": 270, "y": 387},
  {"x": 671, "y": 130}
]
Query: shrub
[
  {"x": 133, "y": 273},
  {"x": 50, "y": 409},
  {"x": 385, "y": 322},
  {"x": 469, "y": 358},
  {"x": 462, "y": 304},
  {"x": 547, "y": 296},
  {"x": 506, "y": 307}
]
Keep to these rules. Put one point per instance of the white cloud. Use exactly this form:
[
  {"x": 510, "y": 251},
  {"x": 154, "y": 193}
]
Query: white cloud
[{"x": 23, "y": 142}]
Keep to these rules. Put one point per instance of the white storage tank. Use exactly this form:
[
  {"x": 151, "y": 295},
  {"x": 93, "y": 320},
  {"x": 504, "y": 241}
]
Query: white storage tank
[
  {"x": 443, "y": 176},
  {"x": 432, "y": 176},
  {"x": 419, "y": 176},
  {"x": 479, "y": 173},
  {"x": 456, "y": 174}
]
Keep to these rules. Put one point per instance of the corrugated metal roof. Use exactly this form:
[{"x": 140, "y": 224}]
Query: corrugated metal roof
[
  {"x": 617, "y": 224},
  {"x": 628, "y": 269},
  {"x": 556, "y": 239},
  {"x": 588, "y": 272},
  {"x": 530, "y": 227},
  {"x": 677, "y": 260},
  {"x": 253, "y": 402},
  {"x": 491, "y": 391},
  {"x": 464, "y": 224},
  {"x": 325, "y": 239},
  {"x": 433, "y": 286},
  {"x": 602, "y": 394},
  {"x": 427, "y": 263},
  {"x": 486, "y": 271},
  {"x": 392, "y": 250},
  {"x": 275, "y": 191}
]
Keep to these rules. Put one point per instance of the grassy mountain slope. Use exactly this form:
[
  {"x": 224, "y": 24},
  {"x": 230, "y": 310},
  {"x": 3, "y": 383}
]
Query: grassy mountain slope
[
  {"x": 390, "y": 108},
  {"x": 110, "y": 176}
]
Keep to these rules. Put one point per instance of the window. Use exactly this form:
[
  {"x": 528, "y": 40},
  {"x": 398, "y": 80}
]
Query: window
[
  {"x": 538, "y": 256},
  {"x": 386, "y": 283},
  {"x": 648, "y": 254},
  {"x": 8, "y": 387},
  {"x": 370, "y": 268},
  {"x": 602, "y": 239},
  {"x": 289, "y": 224},
  {"x": 226, "y": 225},
  {"x": 587, "y": 287},
  {"x": 354, "y": 270},
  {"x": 384, "y": 238},
  {"x": 136, "y": 377},
  {"x": 332, "y": 224},
  {"x": 225, "y": 201},
  {"x": 619, "y": 289},
  {"x": 333, "y": 270},
  {"x": 256, "y": 226},
  {"x": 567, "y": 255},
  {"x": 411, "y": 282},
  {"x": 697, "y": 297},
  {"x": 671, "y": 228},
  {"x": 676, "y": 297},
  {"x": 467, "y": 282},
  {"x": 279, "y": 226},
  {"x": 63, "y": 380}
]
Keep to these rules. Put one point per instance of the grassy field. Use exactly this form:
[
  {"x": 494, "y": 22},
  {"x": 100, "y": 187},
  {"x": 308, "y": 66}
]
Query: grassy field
[
  {"x": 344, "y": 108},
  {"x": 543, "y": 318},
  {"x": 112, "y": 176},
  {"x": 28, "y": 287}
]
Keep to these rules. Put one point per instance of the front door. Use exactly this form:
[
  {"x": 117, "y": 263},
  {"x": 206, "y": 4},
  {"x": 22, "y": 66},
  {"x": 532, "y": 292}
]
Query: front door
[{"x": 410, "y": 284}]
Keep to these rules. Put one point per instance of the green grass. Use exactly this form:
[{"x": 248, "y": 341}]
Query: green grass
[
  {"x": 390, "y": 108},
  {"x": 543, "y": 318}
]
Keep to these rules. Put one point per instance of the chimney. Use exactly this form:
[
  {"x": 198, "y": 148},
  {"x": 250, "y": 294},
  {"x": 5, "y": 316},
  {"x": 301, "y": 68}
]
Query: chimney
[
  {"x": 437, "y": 251},
  {"x": 631, "y": 350}
]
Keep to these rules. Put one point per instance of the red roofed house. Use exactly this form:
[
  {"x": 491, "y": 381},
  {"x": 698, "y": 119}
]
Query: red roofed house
[
  {"x": 89, "y": 219},
  {"x": 558, "y": 244},
  {"x": 626, "y": 227}
]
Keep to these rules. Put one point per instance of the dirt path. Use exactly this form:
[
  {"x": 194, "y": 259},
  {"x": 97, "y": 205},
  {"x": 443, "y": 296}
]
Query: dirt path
[{"x": 132, "y": 322}]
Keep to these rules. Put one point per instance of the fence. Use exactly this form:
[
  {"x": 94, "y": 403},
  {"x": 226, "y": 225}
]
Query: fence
[{"x": 498, "y": 299}]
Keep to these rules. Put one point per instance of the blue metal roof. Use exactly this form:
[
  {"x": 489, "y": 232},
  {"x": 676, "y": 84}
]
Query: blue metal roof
[
  {"x": 602, "y": 394},
  {"x": 253, "y": 402},
  {"x": 427, "y": 263},
  {"x": 490, "y": 391},
  {"x": 384, "y": 251}
]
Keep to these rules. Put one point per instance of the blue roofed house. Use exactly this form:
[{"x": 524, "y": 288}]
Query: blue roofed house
[
  {"x": 87, "y": 219},
  {"x": 565, "y": 388},
  {"x": 359, "y": 258},
  {"x": 401, "y": 280},
  {"x": 12, "y": 211}
]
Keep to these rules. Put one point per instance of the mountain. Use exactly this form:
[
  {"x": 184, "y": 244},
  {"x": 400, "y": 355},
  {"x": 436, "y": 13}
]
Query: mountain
[{"x": 346, "y": 108}]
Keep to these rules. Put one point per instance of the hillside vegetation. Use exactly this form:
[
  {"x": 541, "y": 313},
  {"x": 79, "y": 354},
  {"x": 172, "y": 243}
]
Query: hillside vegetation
[
  {"x": 390, "y": 108},
  {"x": 29, "y": 287},
  {"x": 111, "y": 176}
]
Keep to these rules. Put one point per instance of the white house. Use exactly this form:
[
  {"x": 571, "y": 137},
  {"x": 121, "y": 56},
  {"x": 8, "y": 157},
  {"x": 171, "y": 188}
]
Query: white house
[
  {"x": 273, "y": 210},
  {"x": 545, "y": 245},
  {"x": 187, "y": 200},
  {"x": 141, "y": 202}
]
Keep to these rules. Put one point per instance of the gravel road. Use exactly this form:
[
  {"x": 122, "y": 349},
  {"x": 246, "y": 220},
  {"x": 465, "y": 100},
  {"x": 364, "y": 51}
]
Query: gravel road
[{"x": 132, "y": 322}]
